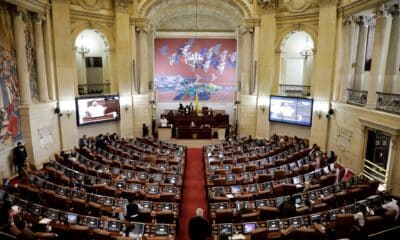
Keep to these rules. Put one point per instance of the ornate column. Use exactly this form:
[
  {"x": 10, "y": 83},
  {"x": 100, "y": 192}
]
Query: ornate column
[
  {"x": 65, "y": 71},
  {"x": 348, "y": 56},
  {"x": 143, "y": 29},
  {"x": 379, "y": 55},
  {"x": 49, "y": 54},
  {"x": 361, "y": 52},
  {"x": 40, "y": 58},
  {"x": 22, "y": 64},
  {"x": 246, "y": 32},
  {"x": 322, "y": 84},
  {"x": 122, "y": 67},
  {"x": 252, "y": 116},
  {"x": 392, "y": 80}
]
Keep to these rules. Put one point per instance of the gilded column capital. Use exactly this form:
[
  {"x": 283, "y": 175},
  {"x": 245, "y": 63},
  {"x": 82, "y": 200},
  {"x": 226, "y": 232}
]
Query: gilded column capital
[
  {"x": 363, "y": 20},
  {"x": 122, "y": 5},
  {"x": 268, "y": 5},
  {"x": 20, "y": 12},
  {"x": 396, "y": 10},
  {"x": 38, "y": 18},
  {"x": 248, "y": 25},
  {"x": 141, "y": 24},
  {"x": 350, "y": 20},
  {"x": 382, "y": 11}
]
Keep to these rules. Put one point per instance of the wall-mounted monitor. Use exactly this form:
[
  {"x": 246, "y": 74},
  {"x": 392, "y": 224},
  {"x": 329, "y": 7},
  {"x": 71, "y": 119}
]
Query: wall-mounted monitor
[
  {"x": 292, "y": 110},
  {"x": 95, "y": 109}
]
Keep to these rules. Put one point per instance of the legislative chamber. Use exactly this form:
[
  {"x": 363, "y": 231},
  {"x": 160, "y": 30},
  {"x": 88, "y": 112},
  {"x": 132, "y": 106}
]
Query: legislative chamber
[{"x": 199, "y": 119}]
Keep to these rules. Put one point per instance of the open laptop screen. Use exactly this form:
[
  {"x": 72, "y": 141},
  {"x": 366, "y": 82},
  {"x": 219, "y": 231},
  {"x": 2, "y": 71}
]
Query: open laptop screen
[{"x": 249, "y": 227}]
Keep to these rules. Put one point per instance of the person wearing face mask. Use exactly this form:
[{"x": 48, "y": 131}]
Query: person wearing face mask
[{"x": 20, "y": 156}]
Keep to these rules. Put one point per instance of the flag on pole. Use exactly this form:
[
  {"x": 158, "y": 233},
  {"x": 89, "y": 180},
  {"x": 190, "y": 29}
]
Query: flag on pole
[{"x": 197, "y": 103}]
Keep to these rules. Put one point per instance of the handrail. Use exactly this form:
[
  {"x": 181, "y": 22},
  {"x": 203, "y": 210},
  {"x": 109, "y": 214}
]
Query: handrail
[
  {"x": 373, "y": 170},
  {"x": 373, "y": 164},
  {"x": 357, "y": 97},
  {"x": 388, "y": 102}
]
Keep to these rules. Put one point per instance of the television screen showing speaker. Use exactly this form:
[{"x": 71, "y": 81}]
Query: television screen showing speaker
[
  {"x": 95, "y": 109},
  {"x": 292, "y": 110}
]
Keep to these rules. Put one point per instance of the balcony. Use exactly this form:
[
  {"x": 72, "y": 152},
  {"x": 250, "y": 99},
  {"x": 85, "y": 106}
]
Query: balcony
[
  {"x": 94, "y": 88},
  {"x": 294, "y": 90},
  {"x": 388, "y": 102},
  {"x": 357, "y": 97}
]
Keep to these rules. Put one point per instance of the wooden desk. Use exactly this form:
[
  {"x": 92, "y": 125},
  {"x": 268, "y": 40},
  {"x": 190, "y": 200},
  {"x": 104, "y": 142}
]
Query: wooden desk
[
  {"x": 220, "y": 120},
  {"x": 164, "y": 133},
  {"x": 193, "y": 133}
]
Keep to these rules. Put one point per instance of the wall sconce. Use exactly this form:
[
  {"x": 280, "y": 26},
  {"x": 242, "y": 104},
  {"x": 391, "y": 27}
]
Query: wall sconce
[
  {"x": 68, "y": 113},
  {"x": 58, "y": 111},
  {"x": 319, "y": 114},
  {"x": 330, "y": 113},
  {"x": 126, "y": 107},
  {"x": 262, "y": 107}
]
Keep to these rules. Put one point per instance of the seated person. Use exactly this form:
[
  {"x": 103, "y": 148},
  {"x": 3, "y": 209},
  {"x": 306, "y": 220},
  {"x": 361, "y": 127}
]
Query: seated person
[
  {"x": 21, "y": 230},
  {"x": 288, "y": 208},
  {"x": 192, "y": 124},
  {"x": 131, "y": 211},
  {"x": 392, "y": 205},
  {"x": 95, "y": 110},
  {"x": 164, "y": 121}
]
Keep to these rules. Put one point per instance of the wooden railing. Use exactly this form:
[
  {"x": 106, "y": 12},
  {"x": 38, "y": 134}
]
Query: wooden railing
[
  {"x": 388, "y": 102},
  {"x": 294, "y": 90},
  {"x": 357, "y": 97}
]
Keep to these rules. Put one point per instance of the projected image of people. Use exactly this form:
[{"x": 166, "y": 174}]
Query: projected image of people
[{"x": 95, "y": 110}]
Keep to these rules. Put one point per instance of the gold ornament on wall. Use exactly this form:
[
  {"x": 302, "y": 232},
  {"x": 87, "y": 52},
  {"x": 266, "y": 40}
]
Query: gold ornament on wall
[
  {"x": 93, "y": 5},
  {"x": 298, "y": 5},
  {"x": 267, "y": 4}
]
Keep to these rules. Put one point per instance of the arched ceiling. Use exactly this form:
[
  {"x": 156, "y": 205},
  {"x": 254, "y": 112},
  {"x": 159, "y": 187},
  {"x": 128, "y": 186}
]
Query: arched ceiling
[{"x": 180, "y": 15}]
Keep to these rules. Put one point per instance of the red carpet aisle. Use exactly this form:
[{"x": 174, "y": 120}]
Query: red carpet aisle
[{"x": 194, "y": 190}]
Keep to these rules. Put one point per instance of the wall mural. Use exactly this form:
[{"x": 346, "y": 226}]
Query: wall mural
[
  {"x": 10, "y": 131},
  {"x": 31, "y": 57},
  {"x": 185, "y": 66}
]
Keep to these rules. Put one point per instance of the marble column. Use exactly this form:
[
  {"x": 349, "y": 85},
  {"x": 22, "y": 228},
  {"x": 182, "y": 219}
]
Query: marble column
[
  {"x": 322, "y": 83},
  {"x": 361, "y": 52},
  {"x": 22, "y": 64},
  {"x": 122, "y": 67},
  {"x": 348, "y": 56},
  {"x": 392, "y": 78},
  {"x": 40, "y": 59},
  {"x": 49, "y": 54},
  {"x": 246, "y": 76},
  {"x": 135, "y": 87},
  {"x": 143, "y": 60},
  {"x": 379, "y": 55}
]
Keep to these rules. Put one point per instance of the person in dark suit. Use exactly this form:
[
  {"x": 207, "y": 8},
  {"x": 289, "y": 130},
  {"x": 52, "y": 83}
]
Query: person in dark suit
[
  {"x": 288, "y": 208},
  {"x": 199, "y": 228},
  {"x": 131, "y": 211},
  {"x": 20, "y": 156}
]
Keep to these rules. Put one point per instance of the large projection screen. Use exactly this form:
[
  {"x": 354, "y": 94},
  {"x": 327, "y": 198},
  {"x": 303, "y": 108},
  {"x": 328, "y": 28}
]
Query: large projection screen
[
  {"x": 95, "y": 109},
  {"x": 291, "y": 110}
]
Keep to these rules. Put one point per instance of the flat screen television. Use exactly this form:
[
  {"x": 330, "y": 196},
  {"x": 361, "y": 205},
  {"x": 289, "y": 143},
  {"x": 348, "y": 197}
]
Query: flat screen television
[
  {"x": 292, "y": 110},
  {"x": 161, "y": 230},
  {"x": 225, "y": 228},
  {"x": 95, "y": 109},
  {"x": 249, "y": 227}
]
